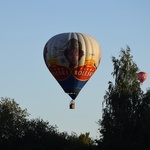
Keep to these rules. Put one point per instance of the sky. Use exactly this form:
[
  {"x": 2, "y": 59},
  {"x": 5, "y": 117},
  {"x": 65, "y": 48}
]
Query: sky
[{"x": 25, "y": 27}]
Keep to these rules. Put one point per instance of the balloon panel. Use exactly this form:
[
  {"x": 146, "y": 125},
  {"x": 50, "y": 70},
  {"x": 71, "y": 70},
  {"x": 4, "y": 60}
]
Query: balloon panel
[{"x": 72, "y": 58}]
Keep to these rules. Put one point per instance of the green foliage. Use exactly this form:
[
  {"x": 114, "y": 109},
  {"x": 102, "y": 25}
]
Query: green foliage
[
  {"x": 126, "y": 108},
  {"x": 12, "y": 117},
  {"x": 85, "y": 138},
  {"x": 19, "y": 133}
]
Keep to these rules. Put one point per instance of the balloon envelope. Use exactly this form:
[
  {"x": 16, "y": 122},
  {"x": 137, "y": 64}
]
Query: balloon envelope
[
  {"x": 142, "y": 76},
  {"x": 72, "y": 58}
]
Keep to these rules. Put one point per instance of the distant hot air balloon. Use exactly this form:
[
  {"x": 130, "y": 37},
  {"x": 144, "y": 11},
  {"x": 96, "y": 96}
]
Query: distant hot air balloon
[
  {"x": 142, "y": 76},
  {"x": 72, "y": 58}
]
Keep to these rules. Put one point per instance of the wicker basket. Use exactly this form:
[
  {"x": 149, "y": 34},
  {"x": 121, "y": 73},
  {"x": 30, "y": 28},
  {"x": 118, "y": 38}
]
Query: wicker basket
[{"x": 72, "y": 106}]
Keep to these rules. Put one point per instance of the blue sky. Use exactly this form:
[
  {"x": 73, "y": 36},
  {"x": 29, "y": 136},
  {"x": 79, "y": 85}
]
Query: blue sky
[{"x": 27, "y": 25}]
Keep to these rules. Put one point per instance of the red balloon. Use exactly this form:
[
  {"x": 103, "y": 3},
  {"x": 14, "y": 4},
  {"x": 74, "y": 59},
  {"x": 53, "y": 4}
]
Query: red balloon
[{"x": 142, "y": 76}]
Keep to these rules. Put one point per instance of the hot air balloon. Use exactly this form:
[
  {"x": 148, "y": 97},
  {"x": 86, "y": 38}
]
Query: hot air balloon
[
  {"x": 72, "y": 58},
  {"x": 142, "y": 76}
]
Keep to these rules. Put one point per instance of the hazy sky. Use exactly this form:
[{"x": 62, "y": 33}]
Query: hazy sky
[{"x": 25, "y": 27}]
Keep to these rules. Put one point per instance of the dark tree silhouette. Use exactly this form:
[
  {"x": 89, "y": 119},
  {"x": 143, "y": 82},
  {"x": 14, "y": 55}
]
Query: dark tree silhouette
[
  {"x": 126, "y": 114},
  {"x": 20, "y": 133}
]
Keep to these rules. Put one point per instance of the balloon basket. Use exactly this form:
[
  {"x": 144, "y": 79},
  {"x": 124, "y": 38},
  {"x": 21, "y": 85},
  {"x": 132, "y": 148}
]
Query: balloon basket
[{"x": 72, "y": 105}]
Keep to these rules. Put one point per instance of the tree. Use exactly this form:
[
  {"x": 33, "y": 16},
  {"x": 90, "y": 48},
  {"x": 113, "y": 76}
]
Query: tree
[
  {"x": 12, "y": 118},
  {"x": 19, "y": 132},
  {"x": 120, "y": 127},
  {"x": 85, "y": 139}
]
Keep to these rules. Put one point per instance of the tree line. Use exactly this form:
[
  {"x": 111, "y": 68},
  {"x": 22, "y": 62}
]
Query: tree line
[
  {"x": 20, "y": 133},
  {"x": 124, "y": 125}
]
